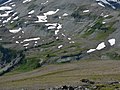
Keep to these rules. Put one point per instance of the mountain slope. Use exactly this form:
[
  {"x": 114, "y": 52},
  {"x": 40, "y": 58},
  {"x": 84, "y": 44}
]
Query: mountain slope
[
  {"x": 59, "y": 31},
  {"x": 57, "y": 75}
]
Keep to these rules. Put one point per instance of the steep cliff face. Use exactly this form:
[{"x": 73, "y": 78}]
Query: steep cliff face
[{"x": 57, "y": 31}]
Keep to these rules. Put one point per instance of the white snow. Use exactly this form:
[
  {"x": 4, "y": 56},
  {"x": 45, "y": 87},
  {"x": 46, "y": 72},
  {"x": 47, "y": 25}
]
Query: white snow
[
  {"x": 101, "y": 46},
  {"x": 51, "y": 12},
  {"x": 6, "y": 13},
  {"x": 3, "y": 8},
  {"x": 56, "y": 32},
  {"x": 101, "y": 4},
  {"x": 60, "y": 46},
  {"x": 59, "y": 26},
  {"x": 91, "y": 50},
  {"x": 21, "y": 42},
  {"x": 106, "y": 16},
  {"x": 20, "y": 37},
  {"x": 16, "y": 18},
  {"x": 36, "y": 42},
  {"x": 45, "y": 2},
  {"x": 14, "y": 14},
  {"x": 103, "y": 22},
  {"x": 85, "y": 11},
  {"x": 0, "y": 39},
  {"x": 31, "y": 39},
  {"x": 72, "y": 42},
  {"x": 51, "y": 25},
  {"x": 60, "y": 17},
  {"x": 13, "y": 5},
  {"x": 111, "y": 41},
  {"x": 63, "y": 34},
  {"x": 25, "y": 1},
  {"x": 15, "y": 30},
  {"x": 102, "y": 14},
  {"x": 31, "y": 12},
  {"x": 23, "y": 32},
  {"x": 57, "y": 37},
  {"x": 54, "y": 25},
  {"x": 26, "y": 22},
  {"x": 26, "y": 44},
  {"x": 11, "y": 21},
  {"x": 106, "y": 2},
  {"x": 29, "y": 16},
  {"x": 17, "y": 42},
  {"x": 41, "y": 19},
  {"x": 69, "y": 38},
  {"x": 8, "y": 19},
  {"x": 65, "y": 14}
]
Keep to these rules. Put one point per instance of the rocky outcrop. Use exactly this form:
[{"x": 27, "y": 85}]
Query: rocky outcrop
[
  {"x": 89, "y": 85},
  {"x": 10, "y": 65}
]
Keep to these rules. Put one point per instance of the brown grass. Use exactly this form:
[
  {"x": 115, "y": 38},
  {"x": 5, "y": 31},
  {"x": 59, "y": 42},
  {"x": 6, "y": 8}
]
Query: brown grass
[{"x": 69, "y": 73}]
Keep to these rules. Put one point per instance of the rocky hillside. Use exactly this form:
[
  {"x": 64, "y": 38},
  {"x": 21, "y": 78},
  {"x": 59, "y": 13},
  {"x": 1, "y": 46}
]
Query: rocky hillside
[{"x": 58, "y": 31}]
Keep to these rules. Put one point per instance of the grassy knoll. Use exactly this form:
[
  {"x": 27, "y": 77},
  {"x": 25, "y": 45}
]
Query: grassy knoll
[{"x": 68, "y": 73}]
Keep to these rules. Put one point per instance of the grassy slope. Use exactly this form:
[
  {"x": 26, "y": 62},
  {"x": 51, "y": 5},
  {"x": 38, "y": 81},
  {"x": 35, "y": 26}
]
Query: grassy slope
[{"x": 69, "y": 73}]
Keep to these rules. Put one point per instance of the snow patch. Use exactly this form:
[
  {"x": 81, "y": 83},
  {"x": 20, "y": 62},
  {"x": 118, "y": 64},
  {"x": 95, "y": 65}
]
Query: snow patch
[
  {"x": 3, "y": 8},
  {"x": 91, "y": 50},
  {"x": 17, "y": 42},
  {"x": 51, "y": 26},
  {"x": 16, "y": 18},
  {"x": 56, "y": 32},
  {"x": 72, "y": 42},
  {"x": 111, "y": 41},
  {"x": 65, "y": 14},
  {"x": 51, "y": 12},
  {"x": 6, "y": 14},
  {"x": 99, "y": 3},
  {"x": 41, "y": 19},
  {"x": 59, "y": 26},
  {"x": 26, "y": 44},
  {"x": 31, "y": 39},
  {"x": 69, "y": 38},
  {"x": 44, "y": 3},
  {"x": 25, "y": 1},
  {"x": 85, "y": 11},
  {"x": 1, "y": 39},
  {"x": 13, "y": 5},
  {"x": 15, "y": 30},
  {"x": 60, "y": 46},
  {"x": 106, "y": 16},
  {"x": 103, "y": 22},
  {"x": 101, "y": 46},
  {"x": 31, "y": 12}
]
